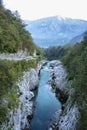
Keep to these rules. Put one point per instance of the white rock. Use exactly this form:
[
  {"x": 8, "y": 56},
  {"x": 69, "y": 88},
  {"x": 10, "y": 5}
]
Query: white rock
[
  {"x": 18, "y": 117},
  {"x": 50, "y": 129},
  {"x": 69, "y": 118}
]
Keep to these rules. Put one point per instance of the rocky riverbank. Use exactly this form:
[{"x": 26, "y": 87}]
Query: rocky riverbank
[
  {"x": 19, "y": 118},
  {"x": 64, "y": 119},
  {"x": 67, "y": 118}
]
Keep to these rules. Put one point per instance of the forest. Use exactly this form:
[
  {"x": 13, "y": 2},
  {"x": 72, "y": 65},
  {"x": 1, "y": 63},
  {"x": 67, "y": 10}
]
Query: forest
[
  {"x": 74, "y": 59},
  {"x": 13, "y": 38},
  {"x": 13, "y": 35},
  {"x": 75, "y": 62}
]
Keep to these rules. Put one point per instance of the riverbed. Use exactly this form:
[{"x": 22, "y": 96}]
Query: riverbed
[{"x": 46, "y": 103}]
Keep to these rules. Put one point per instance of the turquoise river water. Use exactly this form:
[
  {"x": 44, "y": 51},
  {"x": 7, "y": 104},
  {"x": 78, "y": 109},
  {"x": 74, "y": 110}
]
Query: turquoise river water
[{"x": 46, "y": 102}]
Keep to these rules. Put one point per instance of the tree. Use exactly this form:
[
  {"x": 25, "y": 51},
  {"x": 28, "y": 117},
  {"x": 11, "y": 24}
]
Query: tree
[
  {"x": 0, "y": 2},
  {"x": 76, "y": 65}
]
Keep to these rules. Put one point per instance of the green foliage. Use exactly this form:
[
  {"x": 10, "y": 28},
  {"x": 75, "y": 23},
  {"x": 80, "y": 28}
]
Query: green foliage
[
  {"x": 13, "y": 35},
  {"x": 9, "y": 73},
  {"x": 76, "y": 63},
  {"x": 3, "y": 112},
  {"x": 54, "y": 52},
  {"x": 13, "y": 38},
  {"x": 12, "y": 98},
  {"x": 57, "y": 52},
  {"x": 39, "y": 51},
  {"x": 83, "y": 118}
]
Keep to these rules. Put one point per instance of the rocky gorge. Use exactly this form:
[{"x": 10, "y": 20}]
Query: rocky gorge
[
  {"x": 19, "y": 117},
  {"x": 67, "y": 118},
  {"x": 25, "y": 107}
]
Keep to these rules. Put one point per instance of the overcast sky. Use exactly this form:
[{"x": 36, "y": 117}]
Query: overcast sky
[{"x": 36, "y": 9}]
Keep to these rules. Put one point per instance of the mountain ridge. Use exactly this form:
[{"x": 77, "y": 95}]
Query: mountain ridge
[
  {"x": 59, "y": 16},
  {"x": 55, "y": 30},
  {"x": 78, "y": 38}
]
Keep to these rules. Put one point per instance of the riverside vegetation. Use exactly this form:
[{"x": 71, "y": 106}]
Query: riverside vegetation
[
  {"x": 13, "y": 38},
  {"x": 74, "y": 58},
  {"x": 76, "y": 64}
]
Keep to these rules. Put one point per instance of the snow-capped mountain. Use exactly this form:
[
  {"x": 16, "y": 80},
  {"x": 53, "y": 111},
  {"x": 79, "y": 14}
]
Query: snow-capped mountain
[{"x": 55, "y": 30}]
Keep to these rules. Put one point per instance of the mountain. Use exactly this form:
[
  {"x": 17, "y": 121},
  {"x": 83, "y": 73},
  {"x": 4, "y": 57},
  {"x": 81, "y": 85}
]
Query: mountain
[
  {"x": 78, "y": 38},
  {"x": 55, "y": 30}
]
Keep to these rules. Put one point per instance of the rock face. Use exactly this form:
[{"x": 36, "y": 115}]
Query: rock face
[
  {"x": 33, "y": 79},
  {"x": 20, "y": 55},
  {"x": 28, "y": 82},
  {"x": 20, "y": 117},
  {"x": 67, "y": 118},
  {"x": 40, "y": 65}
]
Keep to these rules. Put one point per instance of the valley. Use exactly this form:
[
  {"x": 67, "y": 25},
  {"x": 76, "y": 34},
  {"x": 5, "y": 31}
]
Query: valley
[{"x": 43, "y": 73}]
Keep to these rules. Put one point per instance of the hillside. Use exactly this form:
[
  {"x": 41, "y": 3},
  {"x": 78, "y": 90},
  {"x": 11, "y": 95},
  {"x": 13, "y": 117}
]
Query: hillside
[
  {"x": 13, "y": 36},
  {"x": 78, "y": 38},
  {"x": 16, "y": 58},
  {"x": 76, "y": 65},
  {"x": 55, "y": 30},
  {"x": 74, "y": 59}
]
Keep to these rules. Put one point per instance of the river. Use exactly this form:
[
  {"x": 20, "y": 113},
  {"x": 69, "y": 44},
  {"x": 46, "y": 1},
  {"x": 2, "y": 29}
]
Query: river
[{"x": 46, "y": 102}]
